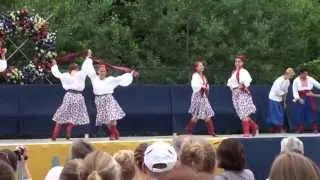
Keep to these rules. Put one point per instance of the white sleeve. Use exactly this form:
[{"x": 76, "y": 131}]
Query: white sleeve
[
  {"x": 277, "y": 88},
  {"x": 123, "y": 80},
  {"x": 55, "y": 71},
  {"x": 295, "y": 90},
  {"x": 245, "y": 78},
  {"x": 88, "y": 69},
  {"x": 315, "y": 83},
  {"x": 3, "y": 65},
  {"x": 196, "y": 82}
]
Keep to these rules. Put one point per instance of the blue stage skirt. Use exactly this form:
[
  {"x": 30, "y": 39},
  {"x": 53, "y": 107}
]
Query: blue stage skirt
[
  {"x": 275, "y": 113},
  {"x": 303, "y": 113}
]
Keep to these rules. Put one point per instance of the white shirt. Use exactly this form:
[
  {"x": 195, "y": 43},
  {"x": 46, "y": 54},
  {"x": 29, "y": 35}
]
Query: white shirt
[
  {"x": 3, "y": 65},
  {"x": 279, "y": 89},
  {"x": 108, "y": 84},
  {"x": 197, "y": 82},
  {"x": 75, "y": 82},
  {"x": 299, "y": 86},
  {"x": 244, "y": 78}
]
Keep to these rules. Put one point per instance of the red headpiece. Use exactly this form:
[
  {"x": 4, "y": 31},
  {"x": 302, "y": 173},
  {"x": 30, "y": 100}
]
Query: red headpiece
[{"x": 242, "y": 57}]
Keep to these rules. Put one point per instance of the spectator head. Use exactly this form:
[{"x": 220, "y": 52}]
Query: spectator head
[
  {"x": 80, "y": 149},
  {"x": 10, "y": 157},
  {"x": 230, "y": 155},
  {"x": 126, "y": 160},
  {"x": 160, "y": 158},
  {"x": 6, "y": 171},
  {"x": 139, "y": 155},
  {"x": 199, "y": 155},
  {"x": 54, "y": 173},
  {"x": 101, "y": 166},
  {"x": 180, "y": 173},
  {"x": 292, "y": 144},
  {"x": 179, "y": 141},
  {"x": 73, "y": 170},
  {"x": 293, "y": 166}
]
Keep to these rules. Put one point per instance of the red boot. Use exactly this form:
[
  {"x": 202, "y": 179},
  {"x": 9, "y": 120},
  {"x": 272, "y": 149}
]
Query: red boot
[
  {"x": 210, "y": 127},
  {"x": 69, "y": 130},
  {"x": 112, "y": 134},
  {"x": 300, "y": 128},
  {"x": 189, "y": 127},
  {"x": 246, "y": 128},
  {"x": 254, "y": 127},
  {"x": 56, "y": 131},
  {"x": 116, "y": 132},
  {"x": 315, "y": 127}
]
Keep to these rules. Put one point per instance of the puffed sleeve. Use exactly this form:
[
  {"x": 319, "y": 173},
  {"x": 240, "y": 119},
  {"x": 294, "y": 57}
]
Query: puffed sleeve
[
  {"x": 196, "y": 82},
  {"x": 278, "y": 89},
  {"x": 295, "y": 90},
  {"x": 55, "y": 71},
  {"x": 315, "y": 83},
  {"x": 3, "y": 65},
  {"x": 88, "y": 69},
  {"x": 245, "y": 78},
  {"x": 123, "y": 80}
]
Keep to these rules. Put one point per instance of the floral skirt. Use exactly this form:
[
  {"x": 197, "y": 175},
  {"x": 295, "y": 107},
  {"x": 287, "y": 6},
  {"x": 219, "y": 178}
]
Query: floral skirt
[
  {"x": 200, "y": 107},
  {"x": 243, "y": 103},
  {"x": 108, "y": 109},
  {"x": 73, "y": 110}
]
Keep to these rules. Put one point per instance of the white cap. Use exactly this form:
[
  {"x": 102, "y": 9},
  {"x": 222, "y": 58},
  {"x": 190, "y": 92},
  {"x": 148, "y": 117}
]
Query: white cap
[
  {"x": 292, "y": 144},
  {"x": 160, "y": 153},
  {"x": 54, "y": 173}
]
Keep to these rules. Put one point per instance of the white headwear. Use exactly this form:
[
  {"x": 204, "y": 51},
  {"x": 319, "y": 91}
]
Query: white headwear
[
  {"x": 54, "y": 173},
  {"x": 292, "y": 144}
]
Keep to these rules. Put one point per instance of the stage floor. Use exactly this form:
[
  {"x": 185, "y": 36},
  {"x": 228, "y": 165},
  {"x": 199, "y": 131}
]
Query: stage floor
[{"x": 15, "y": 142}]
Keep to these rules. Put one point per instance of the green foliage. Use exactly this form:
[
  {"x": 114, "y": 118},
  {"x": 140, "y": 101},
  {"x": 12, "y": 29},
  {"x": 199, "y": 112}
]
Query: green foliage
[{"x": 163, "y": 38}]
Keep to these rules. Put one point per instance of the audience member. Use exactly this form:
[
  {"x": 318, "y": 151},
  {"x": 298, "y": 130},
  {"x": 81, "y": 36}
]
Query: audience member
[
  {"x": 231, "y": 158},
  {"x": 139, "y": 158},
  {"x": 292, "y": 144},
  {"x": 293, "y": 166},
  {"x": 80, "y": 149},
  {"x": 54, "y": 173},
  {"x": 6, "y": 171},
  {"x": 73, "y": 170},
  {"x": 101, "y": 166},
  {"x": 199, "y": 155},
  {"x": 180, "y": 173},
  {"x": 126, "y": 160},
  {"x": 179, "y": 141},
  {"x": 159, "y": 158},
  {"x": 11, "y": 157}
]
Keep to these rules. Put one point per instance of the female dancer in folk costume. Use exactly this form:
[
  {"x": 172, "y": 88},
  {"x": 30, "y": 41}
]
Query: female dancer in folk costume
[
  {"x": 108, "y": 109},
  {"x": 239, "y": 83},
  {"x": 73, "y": 110},
  {"x": 305, "y": 104},
  {"x": 3, "y": 61},
  {"x": 277, "y": 97},
  {"x": 200, "y": 107}
]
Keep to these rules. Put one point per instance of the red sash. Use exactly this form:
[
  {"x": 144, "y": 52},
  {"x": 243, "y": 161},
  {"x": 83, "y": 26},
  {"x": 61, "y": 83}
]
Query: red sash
[{"x": 310, "y": 98}]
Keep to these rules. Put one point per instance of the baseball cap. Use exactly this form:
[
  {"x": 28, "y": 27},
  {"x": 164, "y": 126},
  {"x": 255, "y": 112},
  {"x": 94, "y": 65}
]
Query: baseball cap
[
  {"x": 160, "y": 157},
  {"x": 54, "y": 173}
]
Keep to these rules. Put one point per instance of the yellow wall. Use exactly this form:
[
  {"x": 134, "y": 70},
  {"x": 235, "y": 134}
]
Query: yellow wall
[{"x": 41, "y": 155}]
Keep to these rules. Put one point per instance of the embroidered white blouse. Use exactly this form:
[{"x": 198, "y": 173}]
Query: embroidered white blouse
[
  {"x": 244, "y": 78},
  {"x": 299, "y": 85},
  {"x": 75, "y": 82},
  {"x": 3, "y": 65},
  {"x": 279, "y": 89},
  {"x": 197, "y": 82},
  {"x": 108, "y": 84}
]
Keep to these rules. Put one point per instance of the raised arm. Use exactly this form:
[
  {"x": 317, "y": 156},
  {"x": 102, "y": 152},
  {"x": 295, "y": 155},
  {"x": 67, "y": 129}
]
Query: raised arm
[
  {"x": 55, "y": 70},
  {"x": 3, "y": 65},
  {"x": 123, "y": 80},
  {"x": 87, "y": 68}
]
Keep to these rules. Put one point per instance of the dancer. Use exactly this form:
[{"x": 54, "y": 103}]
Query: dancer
[
  {"x": 200, "y": 107},
  {"x": 239, "y": 83},
  {"x": 73, "y": 110},
  {"x": 277, "y": 98},
  {"x": 305, "y": 104},
  {"x": 108, "y": 109},
  {"x": 3, "y": 61}
]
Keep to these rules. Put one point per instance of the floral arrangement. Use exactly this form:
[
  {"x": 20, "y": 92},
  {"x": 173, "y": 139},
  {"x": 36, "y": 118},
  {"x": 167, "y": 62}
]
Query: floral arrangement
[
  {"x": 33, "y": 73},
  {"x": 32, "y": 26},
  {"x": 14, "y": 76}
]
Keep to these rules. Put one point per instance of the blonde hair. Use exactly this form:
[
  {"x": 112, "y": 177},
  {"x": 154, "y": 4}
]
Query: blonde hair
[
  {"x": 290, "y": 71},
  {"x": 199, "y": 155},
  {"x": 101, "y": 166},
  {"x": 126, "y": 160},
  {"x": 73, "y": 170},
  {"x": 293, "y": 166}
]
